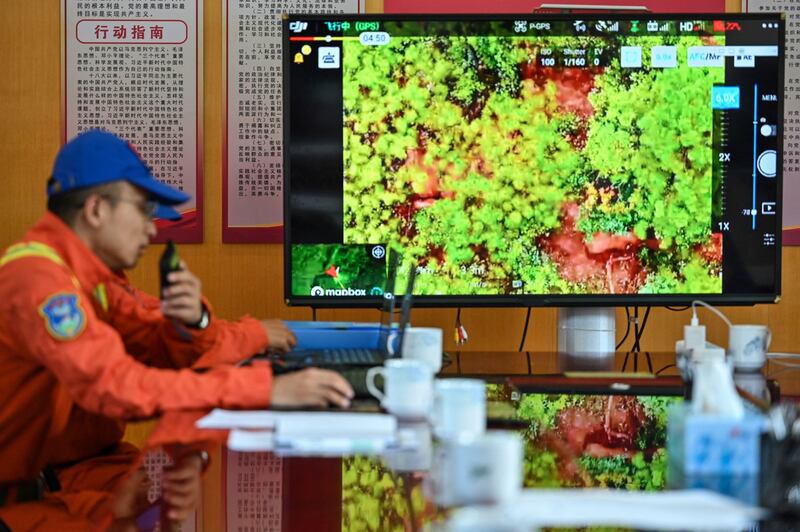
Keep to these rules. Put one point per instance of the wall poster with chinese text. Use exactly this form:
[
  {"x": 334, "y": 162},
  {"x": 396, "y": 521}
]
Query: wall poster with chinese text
[
  {"x": 252, "y": 175},
  {"x": 135, "y": 69},
  {"x": 253, "y": 491},
  {"x": 791, "y": 113}
]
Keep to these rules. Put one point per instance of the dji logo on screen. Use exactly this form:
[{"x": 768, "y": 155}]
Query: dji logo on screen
[{"x": 298, "y": 26}]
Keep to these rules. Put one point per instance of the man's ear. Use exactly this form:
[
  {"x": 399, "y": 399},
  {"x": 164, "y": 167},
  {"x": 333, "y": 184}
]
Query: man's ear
[{"x": 94, "y": 210}]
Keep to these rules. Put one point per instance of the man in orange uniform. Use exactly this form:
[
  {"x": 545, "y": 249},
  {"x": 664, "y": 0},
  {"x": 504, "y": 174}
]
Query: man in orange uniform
[{"x": 81, "y": 350}]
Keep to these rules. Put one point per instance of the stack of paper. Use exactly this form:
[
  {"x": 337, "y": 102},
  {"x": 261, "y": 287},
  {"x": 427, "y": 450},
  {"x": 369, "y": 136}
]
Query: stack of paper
[
  {"x": 239, "y": 419},
  {"x": 251, "y": 441},
  {"x": 305, "y": 433},
  {"x": 334, "y": 434}
]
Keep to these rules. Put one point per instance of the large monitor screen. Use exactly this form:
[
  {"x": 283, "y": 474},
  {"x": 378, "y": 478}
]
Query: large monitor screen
[{"x": 532, "y": 159}]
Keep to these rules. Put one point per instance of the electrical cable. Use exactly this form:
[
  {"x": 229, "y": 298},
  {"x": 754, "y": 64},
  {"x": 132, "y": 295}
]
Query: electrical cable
[
  {"x": 789, "y": 356},
  {"x": 639, "y": 331},
  {"x": 781, "y": 359},
  {"x": 627, "y": 328},
  {"x": 525, "y": 330},
  {"x": 665, "y": 368},
  {"x": 786, "y": 368},
  {"x": 460, "y": 333},
  {"x": 313, "y": 313},
  {"x": 719, "y": 313},
  {"x": 446, "y": 360},
  {"x": 625, "y": 362},
  {"x": 785, "y": 364},
  {"x": 636, "y": 361},
  {"x": 678, "y": 309}
]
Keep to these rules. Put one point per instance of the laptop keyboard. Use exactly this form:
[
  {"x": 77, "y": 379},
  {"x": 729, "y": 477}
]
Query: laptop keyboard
[
  {"x": 338, "y": 357},
  {"x": 357, "y": 378},
  {"x": 354, "y": 373}
]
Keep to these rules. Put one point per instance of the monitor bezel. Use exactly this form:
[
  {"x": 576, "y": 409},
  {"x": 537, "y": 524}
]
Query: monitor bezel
[{"x": 530, "y": 300}]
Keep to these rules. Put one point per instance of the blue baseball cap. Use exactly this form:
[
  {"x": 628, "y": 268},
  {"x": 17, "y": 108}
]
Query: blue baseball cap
[{"x": 96, "y": 157}]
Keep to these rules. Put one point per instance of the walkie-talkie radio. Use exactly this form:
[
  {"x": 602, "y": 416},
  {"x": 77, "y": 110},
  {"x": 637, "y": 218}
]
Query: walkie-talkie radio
[{"x": 169, "y": 262}]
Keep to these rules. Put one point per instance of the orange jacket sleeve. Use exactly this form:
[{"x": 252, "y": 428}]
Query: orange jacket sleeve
[
  {"x": 161, "y": 342},
  {"x": 63, "y": 333}
]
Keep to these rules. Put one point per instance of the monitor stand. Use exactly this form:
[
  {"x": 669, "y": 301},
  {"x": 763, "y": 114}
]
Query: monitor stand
[{"x": 590, "y": 331}]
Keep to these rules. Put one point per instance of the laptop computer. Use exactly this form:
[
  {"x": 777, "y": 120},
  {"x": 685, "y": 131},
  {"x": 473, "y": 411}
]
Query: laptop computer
[
  {"x": 353, "y": 364},
  {"x": 388, "y": 344}
]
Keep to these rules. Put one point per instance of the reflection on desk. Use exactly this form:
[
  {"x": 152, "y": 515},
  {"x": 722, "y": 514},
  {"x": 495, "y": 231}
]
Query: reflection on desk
[{"x": 587, "y": 440}]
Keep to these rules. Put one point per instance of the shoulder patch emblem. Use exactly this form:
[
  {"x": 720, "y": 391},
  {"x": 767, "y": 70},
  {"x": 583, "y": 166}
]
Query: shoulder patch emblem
[{"x": 63, "y": 316}]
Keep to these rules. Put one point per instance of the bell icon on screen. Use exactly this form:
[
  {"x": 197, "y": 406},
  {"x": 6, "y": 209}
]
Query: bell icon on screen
[{"x": 298, "y": 58}]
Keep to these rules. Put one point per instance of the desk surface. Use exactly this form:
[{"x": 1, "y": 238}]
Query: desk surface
[{"x": 598, "y": 440}]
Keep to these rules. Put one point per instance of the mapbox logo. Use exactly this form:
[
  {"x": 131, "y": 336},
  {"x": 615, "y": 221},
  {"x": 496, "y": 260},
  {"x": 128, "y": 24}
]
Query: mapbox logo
[{"x": 319, "y": 291}]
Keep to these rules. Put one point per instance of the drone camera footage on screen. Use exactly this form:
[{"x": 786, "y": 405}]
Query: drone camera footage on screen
[{"x": 534, "y": 160}]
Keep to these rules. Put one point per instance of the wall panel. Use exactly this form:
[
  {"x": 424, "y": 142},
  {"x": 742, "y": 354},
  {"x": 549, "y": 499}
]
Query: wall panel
[{"x": 248, "y": 278}]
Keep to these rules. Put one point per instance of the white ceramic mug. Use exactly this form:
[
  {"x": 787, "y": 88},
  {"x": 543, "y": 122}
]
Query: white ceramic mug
[
  {"x": 459, "y": 408},
  {"x": 747, "y": 345},
  {"x": 420, "y": 343},
  {"x": 754, "y": 383},
  {"x": 484, "y": 470},
  {"x": 408, "y": 387}
]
